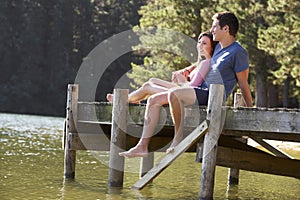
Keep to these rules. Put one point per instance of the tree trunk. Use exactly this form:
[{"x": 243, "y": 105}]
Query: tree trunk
[
  {"x": 273, "y": 96},
  {"x": 261, "y": 88},
  {"x": 285, "y": 96}
]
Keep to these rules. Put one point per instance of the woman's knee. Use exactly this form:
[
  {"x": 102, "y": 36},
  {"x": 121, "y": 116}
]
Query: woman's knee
[
  {"x": 152, "y": 80},
  {"x": 146, "y": 85}
]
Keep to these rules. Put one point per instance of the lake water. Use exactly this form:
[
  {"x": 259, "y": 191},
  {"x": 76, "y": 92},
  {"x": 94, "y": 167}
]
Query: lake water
[{"x": 31, "y": 167}]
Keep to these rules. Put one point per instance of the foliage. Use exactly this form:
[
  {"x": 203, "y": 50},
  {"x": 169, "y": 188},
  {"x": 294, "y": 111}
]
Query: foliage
[
  {"x": 250, "y": 18},
  {"x": 161, "y": 28},
  {"x": 281, "y": 39},
  {"x": 258, "y": 32},
  {"x": 43, "y": 44}
]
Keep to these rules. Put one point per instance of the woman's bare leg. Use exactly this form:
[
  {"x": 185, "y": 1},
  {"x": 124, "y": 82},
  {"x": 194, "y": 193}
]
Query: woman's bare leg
[
  {"x": 163, "y": 83},
  {"x": 178, "y": 98},
  {"x": 155, "y": 102},
  {"x": 153, "y": 86}
]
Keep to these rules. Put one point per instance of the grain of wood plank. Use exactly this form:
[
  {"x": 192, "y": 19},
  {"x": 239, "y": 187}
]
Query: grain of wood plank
[{"x": 169, "y": 158}]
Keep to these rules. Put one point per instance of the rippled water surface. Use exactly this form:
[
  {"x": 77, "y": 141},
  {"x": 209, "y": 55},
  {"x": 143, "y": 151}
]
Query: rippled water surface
[{"x": 31, "y": 167}]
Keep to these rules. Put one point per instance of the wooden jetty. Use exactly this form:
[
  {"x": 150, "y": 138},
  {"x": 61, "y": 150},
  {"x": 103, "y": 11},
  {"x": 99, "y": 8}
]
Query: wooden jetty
[{"x": 217, "y": 133}]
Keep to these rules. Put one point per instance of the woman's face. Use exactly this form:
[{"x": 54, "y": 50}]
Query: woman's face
[{"x": 204, "y": 47}]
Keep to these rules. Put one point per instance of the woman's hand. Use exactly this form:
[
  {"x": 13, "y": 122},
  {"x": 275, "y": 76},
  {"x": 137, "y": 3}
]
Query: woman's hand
[{"x": 180, "y": 76}]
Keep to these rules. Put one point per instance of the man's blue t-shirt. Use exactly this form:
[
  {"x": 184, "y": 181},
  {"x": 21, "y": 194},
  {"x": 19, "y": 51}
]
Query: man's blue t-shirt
[{"x": 225, "y": 63}]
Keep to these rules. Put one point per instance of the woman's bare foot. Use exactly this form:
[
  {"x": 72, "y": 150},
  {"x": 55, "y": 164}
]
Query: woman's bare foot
[
  {"x": 134, "y": 152},
  {"x": 110, "y": 97}
]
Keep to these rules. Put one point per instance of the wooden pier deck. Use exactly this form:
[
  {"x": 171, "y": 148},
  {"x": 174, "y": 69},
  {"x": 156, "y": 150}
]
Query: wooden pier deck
[{"x": 91, "y": 126}]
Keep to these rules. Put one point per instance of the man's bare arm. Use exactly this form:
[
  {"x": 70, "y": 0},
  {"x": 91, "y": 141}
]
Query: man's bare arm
[{"x": 243, "y": 83}]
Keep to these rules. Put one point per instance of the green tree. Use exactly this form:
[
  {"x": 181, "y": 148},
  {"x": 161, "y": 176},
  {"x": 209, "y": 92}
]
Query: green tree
[
  {"x": 251, "y": 19},
  {"x": 191, "y": 17},
  {"x": 160, "y": 24},
  {"x": 43, "y": 44},
  {"x": 281, "y": 39}
]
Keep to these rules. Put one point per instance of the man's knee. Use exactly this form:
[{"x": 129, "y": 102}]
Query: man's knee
[
  {"x": 172, "y": 96},
  {"x": 152, "y": 100},
  {"x": 156, "y": 101}
]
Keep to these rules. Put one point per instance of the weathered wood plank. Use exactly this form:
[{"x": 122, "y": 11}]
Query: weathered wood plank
[
  {"x": 146, "y": 164},
  {"x": 230, "y": 142},
  {"x": 70, "y": 127},
  {"x": 252, "y": 159},
  {"x": 88, "y": 141},
  {"x": 118, "y": 138},
  {"x": 97, "y": 137},
  {"x": 237, "y": 119},
  {"x": 271, "y": 148},
  {"x": 216, "y": 116},
  {"x": 169, "y": 158},
  {"x": 136, "y": 114},
  {"x": 258, "y": 162},
  {"x": 263, "y": 120},
  {"x": 292, "y": 137},
  {"x": 101, "y": 142},
  {"x": 233, "y": 173}
]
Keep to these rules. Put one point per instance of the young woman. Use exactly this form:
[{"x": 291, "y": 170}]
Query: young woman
[
  {"x": 180, "y": 77},
  {"x": 205, "y": 47}
]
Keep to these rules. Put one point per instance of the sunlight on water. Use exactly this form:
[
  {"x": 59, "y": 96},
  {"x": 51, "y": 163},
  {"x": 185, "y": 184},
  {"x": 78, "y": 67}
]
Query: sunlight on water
[{"x": 31, "y": 167}]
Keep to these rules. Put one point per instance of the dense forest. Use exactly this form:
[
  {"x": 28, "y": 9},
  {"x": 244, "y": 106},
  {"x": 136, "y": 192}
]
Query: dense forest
[{"x": 44, "y": 43}]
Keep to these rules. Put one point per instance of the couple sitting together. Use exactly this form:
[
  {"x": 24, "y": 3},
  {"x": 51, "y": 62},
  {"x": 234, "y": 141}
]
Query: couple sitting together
[{"x": 225, "y": 62}]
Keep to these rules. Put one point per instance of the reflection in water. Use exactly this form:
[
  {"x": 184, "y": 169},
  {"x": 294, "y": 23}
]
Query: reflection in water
[
  {"x": 67, "y": 187},
  {"x": 232, "y": 192},
  {"x": 31, "y": 167}
]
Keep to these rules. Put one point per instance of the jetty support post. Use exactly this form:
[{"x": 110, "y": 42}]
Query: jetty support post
[
  {"x": 70, "y": 130},
  {"x": 233, "y": 173},
  {"x": 215, "y": 117},
  {"x": 146, "y": 164},
  {"x": 118, "y": 137}
]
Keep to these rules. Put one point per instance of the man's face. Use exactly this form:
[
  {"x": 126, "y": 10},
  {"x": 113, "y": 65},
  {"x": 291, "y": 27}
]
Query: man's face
[{"x": 216, "y": 30}]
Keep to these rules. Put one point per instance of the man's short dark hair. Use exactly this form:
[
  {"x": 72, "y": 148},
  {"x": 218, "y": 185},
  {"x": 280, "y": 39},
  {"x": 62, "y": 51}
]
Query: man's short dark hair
[{"x": 228, "y": 18}]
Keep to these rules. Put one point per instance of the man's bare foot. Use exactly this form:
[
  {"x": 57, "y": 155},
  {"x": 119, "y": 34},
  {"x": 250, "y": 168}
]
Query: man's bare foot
[
  {"x": 170, "y": 150},
  {"x": 134, "y": 152},
  {"x": 173, "y": 145},
  {"x": 110, "y": 97}
]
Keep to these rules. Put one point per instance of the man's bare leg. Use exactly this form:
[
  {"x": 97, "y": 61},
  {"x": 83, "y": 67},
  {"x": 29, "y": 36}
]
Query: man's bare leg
[
  {"x": 178, "y": 98},
  {"x": 152, "y": 112}
]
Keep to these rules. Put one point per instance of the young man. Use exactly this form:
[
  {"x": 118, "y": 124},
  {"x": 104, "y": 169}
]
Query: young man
[
  {"x": 230, "y": 59},
  {"x": 229, "y": 66}
]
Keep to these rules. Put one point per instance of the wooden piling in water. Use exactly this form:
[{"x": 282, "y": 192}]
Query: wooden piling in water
[
  {"x": 146, "y": 164},
  {"x": 71, "y": 118},
  {"x": 118, "y": 137},
  {"x": 234, "y": 173},
  {"x": 214, "y": 115}
]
